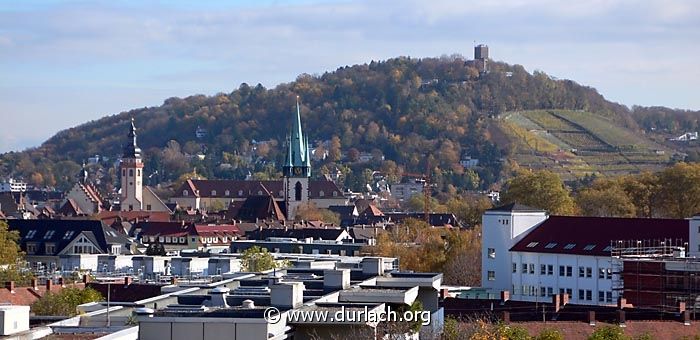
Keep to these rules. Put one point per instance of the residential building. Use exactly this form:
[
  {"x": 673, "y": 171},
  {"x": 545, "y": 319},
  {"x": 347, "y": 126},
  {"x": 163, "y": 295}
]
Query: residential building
[
  {"x": 404, "y": 191},
  {"x": 176, "y": 236},
  {"x": 13, "y": 185}
]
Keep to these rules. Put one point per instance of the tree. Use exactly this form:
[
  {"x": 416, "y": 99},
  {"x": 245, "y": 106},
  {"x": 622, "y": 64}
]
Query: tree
[
  {"x": 65, "y": 302},
  {"x": 156, "y": 249},
  {"x": 11, "y": 256},
  {"x": 549, "y": 334},
  {"x": 256, "y": 259},
  {"x": 540, "y": 189},
  {"x": 334, "y": 149},
  {"x": 605, "y": 198},
  {"x": 608, "y": 333},
  {"x": 680, "y": 190},
  {"x": 309, "y": 212}
]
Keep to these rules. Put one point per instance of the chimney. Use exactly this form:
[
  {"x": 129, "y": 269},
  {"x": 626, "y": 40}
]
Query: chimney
[
  {"x": 127, "y": 280},
  {"x": 564, "y": 299},
  {"x": 218, "y": 297},
  {"x": 61, "y": 282},
  {"x": 49, "y": 284},
  {"x": 86, "y": 279},
  {"x": 591, "y": 318},
  {"x": 621, "y": 317},
  {"x": 336, "y": 278},
  {"x": 173, "y": 280},
  {"x": 505, "y": 295},
  {"x": 287, "y": 295},
  {"x": 556, "y": 302},
  {"x": 10, "y": 285},
  {"x": 373, "y": 266},
  {"x": 35, "y": 283},
  {"x": 444, "y": 293},
  {"x": 505, "y": 317},
  {"x": 681, "y": 307}
]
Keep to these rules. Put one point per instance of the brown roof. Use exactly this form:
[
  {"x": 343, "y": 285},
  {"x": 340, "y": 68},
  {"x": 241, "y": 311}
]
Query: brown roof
[
  {"x": 70, "y": 208},
  {"x": 108, "y": 217},
  {"x": 242, "y": 188},
  {"x": 593, "y": 235},
  {"x": 26, "y": 296}
]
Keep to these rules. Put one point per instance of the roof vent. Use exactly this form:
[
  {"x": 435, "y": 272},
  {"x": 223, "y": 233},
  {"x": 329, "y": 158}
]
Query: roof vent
[{"x": 248, "y": 304}]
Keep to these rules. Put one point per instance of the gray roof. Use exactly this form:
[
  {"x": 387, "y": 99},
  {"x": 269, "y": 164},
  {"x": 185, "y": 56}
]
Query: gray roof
[{"x": 516, "y": 207}]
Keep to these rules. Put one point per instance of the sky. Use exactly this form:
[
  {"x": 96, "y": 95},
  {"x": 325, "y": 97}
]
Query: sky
[{"x": 63, "y": 63}]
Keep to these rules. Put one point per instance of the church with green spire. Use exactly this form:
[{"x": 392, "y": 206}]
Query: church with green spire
[{"x": 298, "y": 160}]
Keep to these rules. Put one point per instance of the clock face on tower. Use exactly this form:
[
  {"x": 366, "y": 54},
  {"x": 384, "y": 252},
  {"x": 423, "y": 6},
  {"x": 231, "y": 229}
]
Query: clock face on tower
[{"x": 297, "y": 171}]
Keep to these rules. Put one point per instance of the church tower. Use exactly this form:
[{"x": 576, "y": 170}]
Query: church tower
[
  {"x": 131, "y": 174},
  {"x": 297, "y": 167}
]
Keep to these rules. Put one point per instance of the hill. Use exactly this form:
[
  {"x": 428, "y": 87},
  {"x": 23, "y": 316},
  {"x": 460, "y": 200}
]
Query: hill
[{"x": 407, "y": 113}]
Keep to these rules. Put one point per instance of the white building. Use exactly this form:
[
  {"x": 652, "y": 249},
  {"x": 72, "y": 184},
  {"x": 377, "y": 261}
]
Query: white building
[
  {"x": 13, "y": 185},
  {"x": 533, "y": 255}
]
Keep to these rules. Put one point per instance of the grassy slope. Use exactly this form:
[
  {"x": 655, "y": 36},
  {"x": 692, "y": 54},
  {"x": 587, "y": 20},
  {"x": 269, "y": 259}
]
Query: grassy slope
[{"x": 576, "y": 143}]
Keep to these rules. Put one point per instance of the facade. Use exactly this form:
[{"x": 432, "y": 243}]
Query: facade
[
  {"x": 84, "y": 197},
  {"x": 535, "y": 256},
  {"x": 176, "y": 236},
  {"x": 13, "y": 185},
  {"x": 404, "y": 191}
]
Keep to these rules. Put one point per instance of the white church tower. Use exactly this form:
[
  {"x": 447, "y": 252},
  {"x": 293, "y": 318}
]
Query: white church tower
[
  {"x": 297, "y": 168},
  {"x": 131, "y": 174}
]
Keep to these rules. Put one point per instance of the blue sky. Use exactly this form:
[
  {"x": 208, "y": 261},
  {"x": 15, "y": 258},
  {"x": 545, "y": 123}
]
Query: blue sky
[{"x": 63, "y": 63}]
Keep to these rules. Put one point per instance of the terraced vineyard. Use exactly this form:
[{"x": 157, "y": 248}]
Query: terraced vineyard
[{"x": 585, "y": 143}]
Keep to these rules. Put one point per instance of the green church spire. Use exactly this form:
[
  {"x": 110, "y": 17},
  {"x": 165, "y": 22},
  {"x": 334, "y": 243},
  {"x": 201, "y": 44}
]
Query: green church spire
[{"x": 298, "y": 160}]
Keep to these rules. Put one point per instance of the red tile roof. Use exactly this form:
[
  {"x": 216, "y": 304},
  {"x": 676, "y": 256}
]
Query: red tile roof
[
  {"x": 25, "y": 296},
  {"x": 108, "y": 217},
  {"x": 592, "y": 235}
]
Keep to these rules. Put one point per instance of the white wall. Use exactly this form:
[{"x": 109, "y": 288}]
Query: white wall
[
  {"x": 533, "y": 281},
  {"x": 13, "y": 319},
  {"x": 694, "y": 237},
  {"x": 500, "y": 231}
]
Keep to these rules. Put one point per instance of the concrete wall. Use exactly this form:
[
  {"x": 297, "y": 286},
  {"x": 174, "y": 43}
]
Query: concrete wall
[
  {"x": 501, "y": 230},
  {"x": 80, "y": 261},
  {"x": 13, "y": 319},
  {"x": 556, "y": 282}
]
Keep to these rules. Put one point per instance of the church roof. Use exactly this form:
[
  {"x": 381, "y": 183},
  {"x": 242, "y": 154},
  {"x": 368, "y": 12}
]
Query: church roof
[{"x": 209, "y": 188}]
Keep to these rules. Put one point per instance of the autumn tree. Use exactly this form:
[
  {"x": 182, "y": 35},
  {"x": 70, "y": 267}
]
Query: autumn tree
[
  {"x": 65, "y": 302},
  {"x": 334, "y": 149},
  {"x": 11, "y": 256},
  {"x": 605, "y": 198},
  {"x": 679, "y": 194},
  {"x": 540, "y": 189},
  {"x": 257, "y": 259},
  {"x": 310, "y": 212}
]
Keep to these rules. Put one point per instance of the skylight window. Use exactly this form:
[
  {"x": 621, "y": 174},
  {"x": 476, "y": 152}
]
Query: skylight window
[
  {"x": 551, "y": 245},
  {"x": 589, "y": 247},
  {"x": 608, "y": 248},
  {"x": 532, "y": 244},
  {"x": 68, "y": 234},
  {"x": 31, "y": 234},
  {"x": 570, "y": 246},
  {"x": 49, "y": 234}
]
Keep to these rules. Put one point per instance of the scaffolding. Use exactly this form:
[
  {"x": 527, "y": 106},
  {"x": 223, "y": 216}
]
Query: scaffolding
[{"x": 656, "y": 274}]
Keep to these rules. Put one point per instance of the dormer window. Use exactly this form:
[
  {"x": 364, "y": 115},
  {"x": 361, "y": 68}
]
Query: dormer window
[
  {"x": 321, "y": 193},
  {"x": 260, "y": 193},
  {"x": 335, "y": 194},
  {"x": 240, "y": 192},
  {"x": 185, "y": 193},
  {"x": 226, "y": 193},
  {"x": 213, "y": 192}
]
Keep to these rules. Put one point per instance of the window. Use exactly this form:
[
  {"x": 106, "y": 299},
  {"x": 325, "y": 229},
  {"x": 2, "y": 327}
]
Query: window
[
  {"x": 123, "y": 172},
  {"x": 31, "y": 248},
  {"x": 550, "y": 269},
  {"x": 532, "y": 244},
  {"x": 131, "y": 172},
  {"x": 148, "y": 207},
  {"x": 581, "y": 271},
  {"x": 608, "y": 273},
  {"x": 543, "y": 291},
  {"x": 550, "y": 291},
  {"x": 562, "y": 271},
  {"x": 259, "y": 192},
  {"x": 569, "y": 271},
  {"x": 601, "y": 273},
  {"x": 525, "y": 290},
  {"x": 185, "y": 193},
  {"x": 532, "y": 268},
  {"x": 601, "y": 296},
  {"x": 68, "y": 235},
  {"x": 240, "y": 192},
  {"x": 226, "y": 193},
  {"x": 30, "y": 234},
  {"x": 570, "y": 292},
  {"x": 581, "y": 294},
  {"x": 608, "y": 248},
  {"x": 543, "y": 269},
  {"x": 570, "y": 246},
  {"x": 213, "y": 192},
  {"x": 297, "y": 191},
  {"x": 608, "y": 297},
  {"x": 515, "y": 267},
  {"x": 492, "y": 253},
  {"x": 589, "y": 272},
  {"x": 524, "y": 266},
  {"x": 550, "y": 245},
  {"x": 49, "y": 234},
  {"x": 561, "y": 290},
  {"x": 131, "y": 207},
  {"x": 321, "y": 193},
  {"x": 589, "y": 247},
  {"x": 589, "y": 295},
  {"x": 335, "y": 194}
]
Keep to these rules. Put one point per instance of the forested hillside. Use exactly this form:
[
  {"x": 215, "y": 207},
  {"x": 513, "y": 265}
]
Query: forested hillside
[{"x": 407, "y": 113}]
